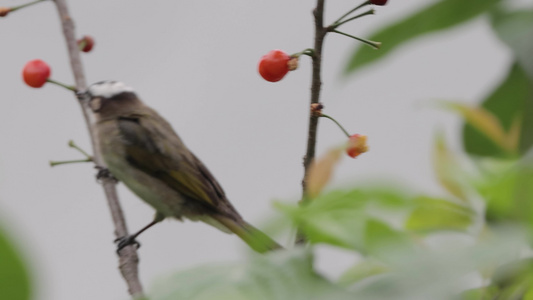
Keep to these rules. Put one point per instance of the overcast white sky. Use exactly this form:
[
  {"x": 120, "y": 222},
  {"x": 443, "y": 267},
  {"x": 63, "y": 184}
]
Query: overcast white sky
[{"x": 195, "y": 62}]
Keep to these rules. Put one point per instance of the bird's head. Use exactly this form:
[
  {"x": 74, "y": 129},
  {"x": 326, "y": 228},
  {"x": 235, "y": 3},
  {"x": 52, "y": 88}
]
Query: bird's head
[{"x": 111, "y": 97}]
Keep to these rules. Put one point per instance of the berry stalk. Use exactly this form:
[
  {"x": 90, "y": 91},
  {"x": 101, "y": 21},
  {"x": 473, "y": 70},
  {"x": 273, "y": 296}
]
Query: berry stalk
[
  {"x": 353, "y": 10},
  {"x": 339, "y": 23},
  {"x": 64, "y": 162},
  {"x": 25, "y": 5},
  {"x": 338, "y": 124},
  {"x": 68, "y": 87},
  {"x": 375, "y": 45}
]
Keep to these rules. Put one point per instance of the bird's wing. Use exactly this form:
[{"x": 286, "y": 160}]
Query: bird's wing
[{"x": 154, "y": 148}]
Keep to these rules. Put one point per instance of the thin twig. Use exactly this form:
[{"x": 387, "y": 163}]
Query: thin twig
[
  {"x": 128, "y": 260},
  {"x": 375, "y": 45},
  {"x": 336, "y": 25},
  {"x": 71, "y": 144},
  {"x": 320, "y": 33},
  {"x": 68, "y": 87},
  {"x": 351, "y": 11},
  {"x": 338, "y": 124},
  {"x": 14, "y": 8},
  {"x": 65, "y": 162}
]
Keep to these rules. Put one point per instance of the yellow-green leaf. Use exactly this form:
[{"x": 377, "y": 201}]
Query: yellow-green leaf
[
  {"x": 436, "y": 214},
  {"x": 486, "y": 123},
  {"x": 447, "y": 169},
  {"x": 321, "y": 170},
  {"x": 512, "y": 103}
]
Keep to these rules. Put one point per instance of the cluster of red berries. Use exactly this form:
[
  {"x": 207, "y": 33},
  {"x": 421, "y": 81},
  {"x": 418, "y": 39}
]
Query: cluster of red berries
[
  {"x": 37, "y": 72},
  {"x": 274, "y": 65}
]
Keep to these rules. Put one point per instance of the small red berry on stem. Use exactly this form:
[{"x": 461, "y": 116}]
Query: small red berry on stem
[
  {"x": 274, "y": 65},
  {"x": 4, "y": 11},
  {"x": 379, "y": 2},
  {"x": 356, "y": 145},
  {"x": 35, "y": 73},
  {"x": 86, "y": 43}
]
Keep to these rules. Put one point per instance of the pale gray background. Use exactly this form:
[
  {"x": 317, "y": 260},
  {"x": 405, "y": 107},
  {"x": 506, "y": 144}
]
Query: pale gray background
[{"x": 195, "y": 62}]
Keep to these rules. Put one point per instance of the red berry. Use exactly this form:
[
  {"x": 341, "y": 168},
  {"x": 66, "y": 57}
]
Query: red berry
[
  {"x": 356, "y": 145},
  {"x": 87, "y": 42},
  {"x": 4, "y": 11},
  {"x": 273, "y": 66},
  {"x": 378, "y": 2},
  {"x": 35, "y": 73}
]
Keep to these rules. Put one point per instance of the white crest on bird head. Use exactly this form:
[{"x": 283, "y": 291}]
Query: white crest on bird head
[{"x": 108, "y": 89}]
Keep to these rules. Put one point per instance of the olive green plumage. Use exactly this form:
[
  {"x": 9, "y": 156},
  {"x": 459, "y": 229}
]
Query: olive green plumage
[{"x": 142, "y": 150}]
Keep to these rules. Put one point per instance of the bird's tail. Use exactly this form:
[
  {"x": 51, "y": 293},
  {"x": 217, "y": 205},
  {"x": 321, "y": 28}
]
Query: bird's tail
[{"x": 252, "y": 236}]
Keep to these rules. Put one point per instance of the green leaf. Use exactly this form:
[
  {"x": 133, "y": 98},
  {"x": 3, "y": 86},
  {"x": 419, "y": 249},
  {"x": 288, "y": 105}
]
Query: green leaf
[
  {"x": 339, "y": 217},
  {"x": 431, "y": 214},
  {"x": 279, "y": 275},
  {"x": 336, "y": 218},
  {"x": 380, "y": 238},
  {"x": 529, "y": 294},
  {"x": 512, "y": 104},
  {"x": 448, "y": 169},
  {"x": 362, "y": 270},
  {"x": 14, "y": 278},
  {"x": 516, "y": 30},
  {"x": 514, "y": 280},
  {"x": 483, "y": 293},
  {"x": 486, "y": 123},
  {"x": 441, "y": 15},
  {"x": 440, "y": 274},
  {"x": 508, "y": 191},
  {"x": 390, "y": 197}
]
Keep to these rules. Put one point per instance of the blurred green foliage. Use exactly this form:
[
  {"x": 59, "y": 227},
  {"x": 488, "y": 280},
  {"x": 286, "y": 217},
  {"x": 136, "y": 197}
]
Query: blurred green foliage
[
  {"x": 392, "y": 229},
  {"x": 473, "y": 243},
  {"x": 511, "y": 102},
  {"x": 277, "y": 276},
  {"x": 437, "y": 16},
  {"x": 14, "y": 277}
]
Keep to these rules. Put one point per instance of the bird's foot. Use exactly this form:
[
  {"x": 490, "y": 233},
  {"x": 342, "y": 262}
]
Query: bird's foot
[
  {"x": 103, "y": 173},
  {"x": 125, "y": 241}
]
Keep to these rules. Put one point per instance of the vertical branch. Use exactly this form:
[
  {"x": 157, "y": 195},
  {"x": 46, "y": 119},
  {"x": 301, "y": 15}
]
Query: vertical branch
[
  {"x": 320, "y": 34},
  {"x": 128, "y": 259}
]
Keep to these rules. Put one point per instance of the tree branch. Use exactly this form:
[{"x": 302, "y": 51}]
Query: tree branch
[
  {"x": 128, "y": 259},
  {"x": 320, "y": 34}
]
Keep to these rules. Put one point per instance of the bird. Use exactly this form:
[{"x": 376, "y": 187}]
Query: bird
[{"x": 141, "y": 150}]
